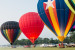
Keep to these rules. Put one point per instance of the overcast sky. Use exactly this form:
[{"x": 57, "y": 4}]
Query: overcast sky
[{"x": 12, "y": 10}]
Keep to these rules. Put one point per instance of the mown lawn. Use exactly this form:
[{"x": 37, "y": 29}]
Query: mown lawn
[{"x": 37, "y": 48}]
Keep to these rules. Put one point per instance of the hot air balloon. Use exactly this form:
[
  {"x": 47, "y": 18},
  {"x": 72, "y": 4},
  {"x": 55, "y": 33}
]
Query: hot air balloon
[
  {"x": 31, "y": 25},
  {"x": 57, "y": 17},
  {"x": 71, "y": 5},
  {"x": 11, "y": 31}
]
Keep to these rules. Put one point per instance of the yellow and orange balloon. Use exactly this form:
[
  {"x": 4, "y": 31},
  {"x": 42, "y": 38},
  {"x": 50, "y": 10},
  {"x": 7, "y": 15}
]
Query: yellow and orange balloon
[{"x": 57, "y": 16}]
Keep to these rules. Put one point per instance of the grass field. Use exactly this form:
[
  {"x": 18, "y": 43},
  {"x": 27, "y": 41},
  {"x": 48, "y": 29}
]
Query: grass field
[{"x": 37, "y": 48}]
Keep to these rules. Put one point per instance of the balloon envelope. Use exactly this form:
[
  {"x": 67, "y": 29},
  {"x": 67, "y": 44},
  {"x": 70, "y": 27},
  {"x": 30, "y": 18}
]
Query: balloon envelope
[
  {"x": 11, "y": 31},
  {"x": 74, "y": 27},
  {"x": 31, "y": 25},
  {"x": 71, "y": 5},
  {"x": 57, "y": 17}
]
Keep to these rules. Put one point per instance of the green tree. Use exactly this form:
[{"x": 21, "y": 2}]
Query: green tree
[
  {"x": 16, "y": 42},
  {"x": 56, "y": 41},
  {"x": 67, "y": 40},
  {"x": 51, "y": 40},
  {"x": 72, "y": 37},
  {"x": 39, "y": 41},
  {"x": 46, "y": 40}
]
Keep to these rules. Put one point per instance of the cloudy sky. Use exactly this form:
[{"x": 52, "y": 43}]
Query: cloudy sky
[{"x": 12, "y": 10}]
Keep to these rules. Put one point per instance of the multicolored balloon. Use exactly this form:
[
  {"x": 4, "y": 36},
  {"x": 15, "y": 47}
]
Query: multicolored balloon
[
  {"x": 11, "y": 31},
  {"x": 71, "y": 5},
  {"x": 57, "y": 17},
  {"x": 31, "y": 25}
]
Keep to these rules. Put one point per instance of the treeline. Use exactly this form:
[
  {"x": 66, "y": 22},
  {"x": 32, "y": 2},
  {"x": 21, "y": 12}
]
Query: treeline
[{"x": 40, "y": 40}]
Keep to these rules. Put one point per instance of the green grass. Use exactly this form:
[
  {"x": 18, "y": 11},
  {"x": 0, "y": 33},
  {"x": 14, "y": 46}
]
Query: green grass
[{"x": 37, "y": 48}]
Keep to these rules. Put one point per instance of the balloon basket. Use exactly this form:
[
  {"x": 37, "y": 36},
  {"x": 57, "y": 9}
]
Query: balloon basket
[
  {"x": 12, "y": 46},
  {"x": 33, "y": 46},
  {"x": 61, "y": 45}
]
